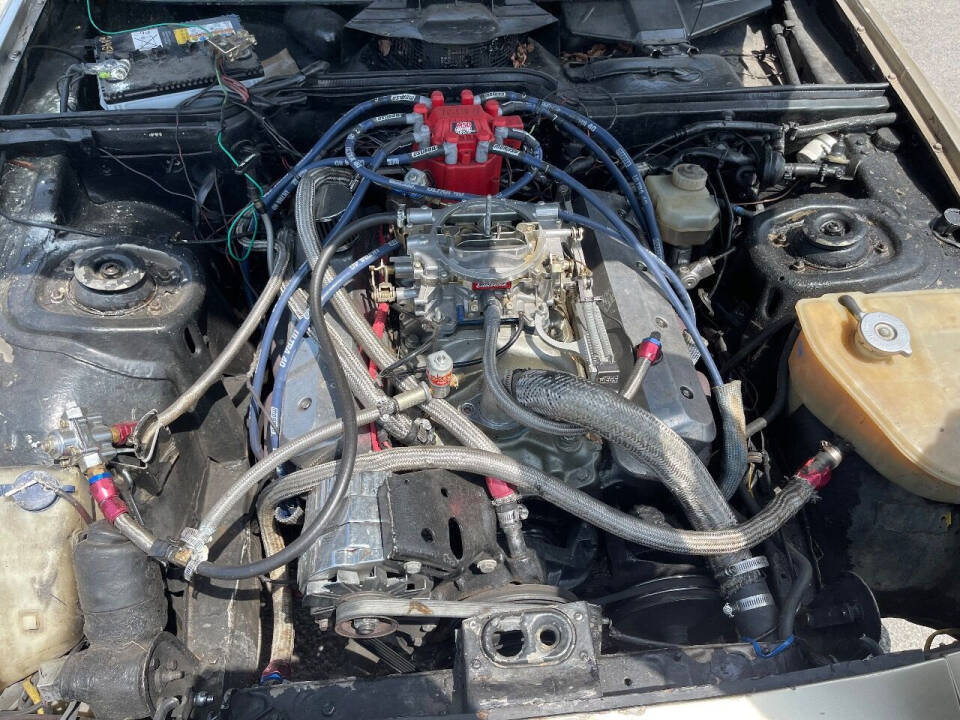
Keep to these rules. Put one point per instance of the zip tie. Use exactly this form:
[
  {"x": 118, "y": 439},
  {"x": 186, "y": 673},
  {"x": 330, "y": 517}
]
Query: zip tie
[{"x": 766, "y": 654}]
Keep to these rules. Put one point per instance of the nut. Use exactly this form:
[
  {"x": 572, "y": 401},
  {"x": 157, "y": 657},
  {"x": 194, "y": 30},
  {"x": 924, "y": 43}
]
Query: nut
[{"x": 365, "y": 626}]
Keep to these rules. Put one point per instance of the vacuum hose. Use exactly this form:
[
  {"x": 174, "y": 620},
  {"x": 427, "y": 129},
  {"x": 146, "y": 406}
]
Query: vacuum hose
[{"x": 494, "y": 385}]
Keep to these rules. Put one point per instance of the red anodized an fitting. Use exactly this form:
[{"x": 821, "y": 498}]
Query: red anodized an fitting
[
  {"x": 119, "y": 432},
  {"x": 104, "y": 492},
  {"x": 650, "y": 349}
]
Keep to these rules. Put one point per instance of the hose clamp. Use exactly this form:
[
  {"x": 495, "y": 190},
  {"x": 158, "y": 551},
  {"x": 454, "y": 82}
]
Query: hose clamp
[
  {"x": 745, "y": 566},
  {"x": 193, "y": 542},
  {"x": 753, "y": 602}
]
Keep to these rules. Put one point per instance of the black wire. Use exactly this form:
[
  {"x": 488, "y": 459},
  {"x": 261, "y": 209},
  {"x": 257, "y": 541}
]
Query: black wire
[
  {"x": 25, "y": 69},
  {"x": 163, "y": 155},
  {"x": 39, "y": 223},
  {"x": 518, "y": 330},
  {"x": 696, "y": 20},
  {"x": 514, "y": 336},
  {"x": 348, "y": 416},
  {"x": 147, "y": 177},
  {"x": 412, "y": 355},
  {"x": 728, "y": 243},
  {"x": 759, "y": 339}
]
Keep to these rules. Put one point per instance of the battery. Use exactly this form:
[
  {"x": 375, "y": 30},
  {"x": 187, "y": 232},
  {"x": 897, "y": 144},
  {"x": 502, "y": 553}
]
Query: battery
[{"x": 171, "y": 63}]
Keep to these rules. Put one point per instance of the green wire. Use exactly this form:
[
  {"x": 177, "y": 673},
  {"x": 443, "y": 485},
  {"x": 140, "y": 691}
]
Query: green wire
[
  {"x": 248, "y": 209},
  {"x": 237, "y": 164},
  {"x": 100, "y": 30}
]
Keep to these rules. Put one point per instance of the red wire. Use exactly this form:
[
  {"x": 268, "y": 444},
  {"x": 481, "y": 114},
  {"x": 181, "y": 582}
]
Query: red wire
[{"x": 379, "y": 326}]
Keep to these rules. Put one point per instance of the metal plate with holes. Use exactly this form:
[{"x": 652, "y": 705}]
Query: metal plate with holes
[{"x": 509, "y": 657}]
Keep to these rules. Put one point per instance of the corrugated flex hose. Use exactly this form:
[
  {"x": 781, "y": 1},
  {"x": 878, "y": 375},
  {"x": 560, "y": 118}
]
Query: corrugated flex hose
[{"x": 624, "y": 423}]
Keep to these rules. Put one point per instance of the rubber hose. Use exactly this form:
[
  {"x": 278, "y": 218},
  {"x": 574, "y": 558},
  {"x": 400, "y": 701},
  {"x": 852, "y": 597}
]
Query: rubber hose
[
  {"x": 268, "y": 231},
  {"x": 494, "y": 385},
  {"x": 780, "y": 397},
  {"x": 784, "y": 54},
  {"x": 816, "y": 61},
  {"x": 791, "y": 604}
]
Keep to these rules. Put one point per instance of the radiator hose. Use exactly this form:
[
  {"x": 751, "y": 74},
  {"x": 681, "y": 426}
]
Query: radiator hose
[{"x": 572, "y": 399}]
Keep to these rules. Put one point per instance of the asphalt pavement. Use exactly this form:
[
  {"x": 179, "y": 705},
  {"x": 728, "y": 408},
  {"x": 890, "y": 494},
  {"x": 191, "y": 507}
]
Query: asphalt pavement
[{"x": 930, "y": 32}]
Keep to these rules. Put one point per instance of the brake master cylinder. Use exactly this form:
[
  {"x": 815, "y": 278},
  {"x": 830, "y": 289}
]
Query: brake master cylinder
[{"x": 687, "y": 212}]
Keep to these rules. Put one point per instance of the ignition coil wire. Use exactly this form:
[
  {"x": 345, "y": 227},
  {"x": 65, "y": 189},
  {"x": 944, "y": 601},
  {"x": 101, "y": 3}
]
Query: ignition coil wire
[
  {"x": 607, "y": 139},
  {"x": 279, "y": 192}
]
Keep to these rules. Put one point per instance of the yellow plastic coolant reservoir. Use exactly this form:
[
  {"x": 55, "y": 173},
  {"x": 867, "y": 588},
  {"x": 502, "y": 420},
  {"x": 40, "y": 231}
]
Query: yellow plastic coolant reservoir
[
  {"x": 883, "y": 372},
  {"x": 40, "y": 615}
]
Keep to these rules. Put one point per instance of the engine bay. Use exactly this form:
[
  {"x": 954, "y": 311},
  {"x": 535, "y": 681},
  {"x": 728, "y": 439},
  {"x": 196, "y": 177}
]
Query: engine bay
[{"x": 404, "y": 359}]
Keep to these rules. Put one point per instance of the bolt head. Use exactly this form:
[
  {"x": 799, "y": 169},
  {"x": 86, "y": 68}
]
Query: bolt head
[{"x": 365, "y": 626}]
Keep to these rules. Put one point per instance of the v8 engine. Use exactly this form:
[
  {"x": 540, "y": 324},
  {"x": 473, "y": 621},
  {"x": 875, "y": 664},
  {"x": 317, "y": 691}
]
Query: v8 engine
[{"x": 437, "y": 358}]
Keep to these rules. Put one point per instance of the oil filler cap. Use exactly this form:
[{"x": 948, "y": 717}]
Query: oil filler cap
[{"x": 878, "y": 333}]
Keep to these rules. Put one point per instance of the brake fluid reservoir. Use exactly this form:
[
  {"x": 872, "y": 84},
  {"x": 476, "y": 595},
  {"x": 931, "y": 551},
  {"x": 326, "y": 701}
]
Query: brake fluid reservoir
[
  {"x": 40, "y": 615},
  {"x": 686, "y": 211},
  {"x": 882, "y": 371}
]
